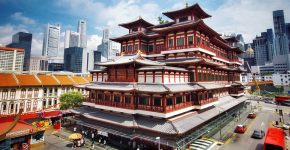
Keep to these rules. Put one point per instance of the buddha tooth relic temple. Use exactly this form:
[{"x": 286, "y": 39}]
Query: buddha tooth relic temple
[{"x": 176, "y": 81}]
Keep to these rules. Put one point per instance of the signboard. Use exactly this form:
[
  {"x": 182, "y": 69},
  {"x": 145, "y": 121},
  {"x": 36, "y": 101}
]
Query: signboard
[{"x": 103, "y": 133}]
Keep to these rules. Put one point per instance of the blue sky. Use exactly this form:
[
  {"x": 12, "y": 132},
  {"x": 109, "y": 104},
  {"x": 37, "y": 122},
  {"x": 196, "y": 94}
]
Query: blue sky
[{"x": 249, "y": 17}]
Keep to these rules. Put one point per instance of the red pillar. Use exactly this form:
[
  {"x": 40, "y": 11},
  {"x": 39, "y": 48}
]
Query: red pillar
[
  {"x": 164, "y": 103},
  {"x": 174, "y": 41}
]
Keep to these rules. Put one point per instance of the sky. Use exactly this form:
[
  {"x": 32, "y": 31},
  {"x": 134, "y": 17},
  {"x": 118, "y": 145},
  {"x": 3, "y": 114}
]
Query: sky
[{"x": 247, "y": 17}]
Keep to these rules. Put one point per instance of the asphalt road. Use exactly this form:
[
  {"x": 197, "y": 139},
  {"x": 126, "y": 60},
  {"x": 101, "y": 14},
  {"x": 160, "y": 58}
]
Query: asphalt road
[{"x": 265, "y": 115}]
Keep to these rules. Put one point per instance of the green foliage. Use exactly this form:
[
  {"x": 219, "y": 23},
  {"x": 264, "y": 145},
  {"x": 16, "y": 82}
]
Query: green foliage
[
  {"x": 70, "y": 100},
  {"x": 161, "y": 21}
]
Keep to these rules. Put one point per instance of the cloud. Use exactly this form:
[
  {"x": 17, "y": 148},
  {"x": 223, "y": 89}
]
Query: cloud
[
  {"x": 18, "y": 16},
  {"x": 93, "y": 41},
  {"x": 247, "y": 17}
]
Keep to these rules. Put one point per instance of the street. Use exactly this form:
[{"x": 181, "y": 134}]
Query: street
[{"x": 266, "y": 113}]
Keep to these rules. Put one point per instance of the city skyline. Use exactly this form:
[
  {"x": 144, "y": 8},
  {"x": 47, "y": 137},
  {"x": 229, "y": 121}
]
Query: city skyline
[{"x": 26, "y": 19}]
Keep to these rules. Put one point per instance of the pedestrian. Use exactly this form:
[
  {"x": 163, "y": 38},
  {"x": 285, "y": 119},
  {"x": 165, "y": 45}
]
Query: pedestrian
[{"x": 75, "y": 129}]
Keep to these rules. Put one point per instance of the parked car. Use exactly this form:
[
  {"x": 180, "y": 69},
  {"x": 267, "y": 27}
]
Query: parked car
[
  {"x": 286, "y": 126},
  {"x": 240, "y": 129},
  {"x": 251, "y": 115},
  {"x": 258, "y": 134}
]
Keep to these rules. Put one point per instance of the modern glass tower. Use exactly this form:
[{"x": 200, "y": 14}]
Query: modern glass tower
[
  {"x": 23, "y": 40},
  {"x": 51, "y": 40},
  {"x": 281, "y": 40},
  {"x": 73, "y": 58}
]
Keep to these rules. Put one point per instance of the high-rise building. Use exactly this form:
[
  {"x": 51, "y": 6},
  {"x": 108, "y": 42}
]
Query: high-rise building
[
  {"x": 38, "y": 63},
  {"x": 72, "y": 39},
  {"x": 51, "y": 40},
  {"x": 281, "y": 40},
  {"x": 288, "y": 33},
  {"x": 11, "y": 59},
  {"x": 97, "y": 59},
  {"x": 263, "y": 48},
  {"x": 73, "y": 59},
  {"x": 23, "y": 40},
  {"x": 109, "y": 49},
  {"x": 82, "y": 30}
]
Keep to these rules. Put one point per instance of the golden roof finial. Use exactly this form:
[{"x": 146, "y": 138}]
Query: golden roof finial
[
  {"x": 139, "y": 51},
  {"x": 140, "y": 17},
  {"x": 186, "y": 4}
]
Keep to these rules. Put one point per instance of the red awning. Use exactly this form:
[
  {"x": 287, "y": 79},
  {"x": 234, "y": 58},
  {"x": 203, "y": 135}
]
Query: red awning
[{"x": 20, "y": 129}]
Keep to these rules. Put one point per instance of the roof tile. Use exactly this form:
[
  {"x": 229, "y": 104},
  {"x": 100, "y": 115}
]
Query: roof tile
[{"x": 7, "y": 80}]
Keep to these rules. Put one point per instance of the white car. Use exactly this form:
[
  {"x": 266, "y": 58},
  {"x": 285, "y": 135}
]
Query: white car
[{"x": 286, "y": 126}]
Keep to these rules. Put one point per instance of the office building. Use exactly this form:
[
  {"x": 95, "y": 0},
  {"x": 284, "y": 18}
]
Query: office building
[
  {"x": 51, "y": 40},
  {"x": 97, "y": 59},
  {"x": 82, "y": 30},
  {"x": 263, "y": 48},
  {"x": 281, "y": 63},
  {"x": 72, "y": 39},
  {"x": 23, "y": 40},
  {"x": 55, "y": 64},
  {"x": 282, "y": 79},
  {"x": 108, "y": 48},
  {"x": 11, "y": 59},
  {"x": 73, "y": 58},
  {"x": 281, "y": 39},
  {"x": 38, "y": 63}
]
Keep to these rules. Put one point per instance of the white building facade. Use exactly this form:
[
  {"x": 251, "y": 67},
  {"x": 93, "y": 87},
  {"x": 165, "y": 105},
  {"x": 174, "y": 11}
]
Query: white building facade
[
  {"x": 11, "y": 59},
  {"x": 281, "y": 79},
  {"x": 51, "y": 40}
]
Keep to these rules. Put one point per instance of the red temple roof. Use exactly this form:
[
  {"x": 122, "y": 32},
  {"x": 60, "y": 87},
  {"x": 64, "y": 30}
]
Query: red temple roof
[
  {"x": 197, "y": 11},
  {"x": 139, "y": 22}
]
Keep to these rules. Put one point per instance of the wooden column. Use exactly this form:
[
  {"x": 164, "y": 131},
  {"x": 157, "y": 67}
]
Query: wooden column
[
  {"x": 164, "y": 103},
  {"x": 174, "y": 41},
  {"x": 162, "y": 76},
  {"x": 153, "y": 76},
  {"x": 185, "y": 39}
]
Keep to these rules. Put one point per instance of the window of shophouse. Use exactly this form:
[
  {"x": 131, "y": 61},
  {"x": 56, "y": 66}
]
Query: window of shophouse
[
  {"x": 178, "y": 99},
  {"x": 127, "y": 99},
  {"x": 190, "y": 40},
  {"x": 21, "y": 105},
  {"x": 180, "y": 41},
  {"x": 44, "y": 91},
  {"x": 49, "y": 102},
  {"x": 12, "y": 93},
  {"x": 136, "y": 46},
  {"x": 55, "y": 91},
  {"x": 150, "y": 48},
  {"x": 157, "y": 101},
  {"x": 35, "y": 105},
  {"x": 169, "y": 101},
  {"x": 170, "y": 43},
  {"x": 130, "y": 48},
  {"x": 107, "y": 97},
  {"x": 44, "y": 103},
  {"x": 36, "y": 92},
  {"x": 5, "y": 94},
  {"x": 182, "y": 19},
  {"x": 62, "y": 90},
  {"x": 23, "y": 93},
  {"x": 11, "y": 107},
  {"x": 29, "y": 93},
  {"x": 187, "y": 97},
  {"x": 50, "y": 92},
  {"x": 197, "y": 40},
  {"x": 143, "y": 100},
  {"x": 100, "y": 96},
  {"x": 117, "y": 98},
  {"x": 55, "y": 102},
  {"x": 28, "y": 106},
  {"x": 4, "y": 106}
]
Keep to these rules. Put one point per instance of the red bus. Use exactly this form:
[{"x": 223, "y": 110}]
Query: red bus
[{"x": 274, "y": 139}]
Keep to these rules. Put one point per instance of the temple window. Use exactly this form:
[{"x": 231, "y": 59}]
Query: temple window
[
  {"x": 107, "y": 97},
  {"x": 136, "y": 46},
  {"x": 180, "y": 41},
  {"x": 157, "y": 101},
  {"x": 199, "y": 76},
  {"x": 143, "y": 100},
  {"x": 204, "y": 77},
  {"x": 178, "y": 99},
  {"x": 117, "y": 99},
  {"x": 190, "y": 40},
  {"x": 198, "y": 40},
  {"x": 169, "y": 101},
  {"x": 123, "y": 48},
  {"x": 182, "y": 19},
  {"x": 150, "y": 48},
  {"x": 144, "y": 47},
  {"x": 134, "y": 29},
  {"x": 130, "y": 48},
  {"x": 100, "y": 96},
  {"x": 127, "y": 99},
  {"x": 170, "y": 43}
]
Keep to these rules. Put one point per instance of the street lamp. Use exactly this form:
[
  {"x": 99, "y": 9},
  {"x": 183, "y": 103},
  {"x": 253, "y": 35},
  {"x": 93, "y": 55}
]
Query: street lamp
[{"x": 158, "y": 139}]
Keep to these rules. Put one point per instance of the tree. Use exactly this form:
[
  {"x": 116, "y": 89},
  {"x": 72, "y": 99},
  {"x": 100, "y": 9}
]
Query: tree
[
  {"x": 70, "y": 100},
  {"x": 161, "y": 21}
]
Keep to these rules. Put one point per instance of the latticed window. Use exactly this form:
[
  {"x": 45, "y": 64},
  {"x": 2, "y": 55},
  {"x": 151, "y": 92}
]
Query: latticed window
[
  {"x": 178, "y": 99},
  {"x": 36, "y": 92},
  {"x": 12, "y": 93},
  {"x": 157, "y": 101},
  {"x": 180, "y": 41},
  {"x": 23, "y": 93},
  {"x": 117, "y": 98},
  {"x": 169, "y": 101},
  {"x": 127, "y": 99},
  {"x": 143, "y": 100},
  {"x": 29, "y": 93},
  {"x": 190, "y": 40}
]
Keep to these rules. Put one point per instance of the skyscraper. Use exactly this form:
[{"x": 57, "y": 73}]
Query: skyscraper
[
  {"x": 23, "y": 40},
  {"x": 82, "y": 30},
  {"x": 109, "y": 49},
  {"x": 73, "y": 59},
  {"x": 281, "y": 40},
  {"x": 263, "y": 46},
  {"x": 51, "y": 40},
  {"x": 72, "y": 39}
]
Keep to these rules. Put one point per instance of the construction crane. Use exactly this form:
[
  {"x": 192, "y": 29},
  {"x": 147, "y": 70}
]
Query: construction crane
[{"x": 254, "y": 79}]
